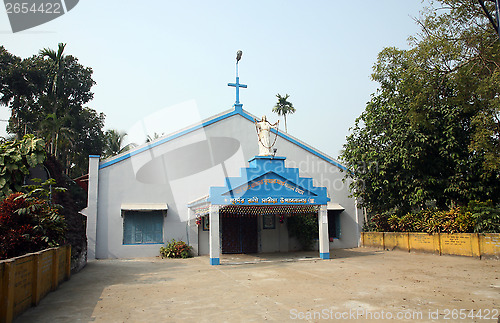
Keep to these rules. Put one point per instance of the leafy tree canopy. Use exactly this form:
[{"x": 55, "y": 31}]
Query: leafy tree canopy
[
  {"x": 430, "y": 134},
  {"x": 47, "y": 94}
]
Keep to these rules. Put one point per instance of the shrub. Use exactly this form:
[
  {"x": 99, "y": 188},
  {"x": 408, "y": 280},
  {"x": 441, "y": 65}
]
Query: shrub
[
  {"x": 486, "y": 216},
  {"x": 28, "y": 224},
  {"x": 176, "y": 249},
  {"x": 305, "y": 228},
  {"x": 478, "y": 217}
]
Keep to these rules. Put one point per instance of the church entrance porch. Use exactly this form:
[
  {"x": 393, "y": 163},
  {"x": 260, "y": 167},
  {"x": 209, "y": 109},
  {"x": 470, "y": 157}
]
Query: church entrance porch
[{"x": 271, "y": 192}]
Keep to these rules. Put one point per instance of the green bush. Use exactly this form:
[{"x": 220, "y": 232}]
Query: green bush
[
  {"x": 486, "y": 216},
  {"x": 304, "y": 227},
  {"x": 478, "y": 217},
  {"x": 176, "y": 249}
]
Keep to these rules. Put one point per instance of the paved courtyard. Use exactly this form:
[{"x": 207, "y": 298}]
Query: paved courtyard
[{"x": 361, "y": 284}]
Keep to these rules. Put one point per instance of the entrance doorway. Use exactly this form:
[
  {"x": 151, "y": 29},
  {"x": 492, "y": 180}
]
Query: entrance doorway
[{"x": 239, "y": 234}]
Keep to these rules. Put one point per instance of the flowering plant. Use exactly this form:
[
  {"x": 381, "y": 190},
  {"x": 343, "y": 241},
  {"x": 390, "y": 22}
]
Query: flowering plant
[{"x": 176, "y": 249}]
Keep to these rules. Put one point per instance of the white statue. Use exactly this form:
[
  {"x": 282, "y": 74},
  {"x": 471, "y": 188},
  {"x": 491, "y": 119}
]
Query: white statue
[{"x": 264, "y": 133}]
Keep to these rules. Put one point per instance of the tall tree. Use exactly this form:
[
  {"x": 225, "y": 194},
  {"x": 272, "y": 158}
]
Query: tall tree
[
  {"x": 47, "y": 94},
  {"x": 283, "y": 107},
  {"x": 429, "y": 136},
  {"x": 55, "y": 93}
]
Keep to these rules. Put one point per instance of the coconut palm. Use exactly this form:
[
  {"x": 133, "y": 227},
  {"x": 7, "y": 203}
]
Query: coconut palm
[
  {"x": 114, "y": 143},
  {"x": 154, "y": 137},
  {"x": 55, "y": 88},
  {"x": 283, "y": 107}
]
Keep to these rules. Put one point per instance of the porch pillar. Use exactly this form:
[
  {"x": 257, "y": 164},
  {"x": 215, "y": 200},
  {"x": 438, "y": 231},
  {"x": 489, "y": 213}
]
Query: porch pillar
[
  {"x": 193, "y": 232},
  {"x": 214, "y": 235},
  {"x": 324, "y": 241}
]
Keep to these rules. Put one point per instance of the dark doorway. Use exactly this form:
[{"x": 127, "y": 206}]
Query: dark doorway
[{"x": 239, "y": 234}]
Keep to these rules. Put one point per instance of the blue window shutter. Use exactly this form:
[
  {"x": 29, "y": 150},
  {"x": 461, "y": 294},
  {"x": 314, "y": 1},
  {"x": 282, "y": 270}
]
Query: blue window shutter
[{"x": 142, "y": 227}]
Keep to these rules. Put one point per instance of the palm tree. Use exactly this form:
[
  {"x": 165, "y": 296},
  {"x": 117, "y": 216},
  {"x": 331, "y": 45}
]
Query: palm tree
[
  {"x": 114, "y": 143},
  {"x": 54, "y": 92},
  {"x": 55, "y": 130},
  {"x": 154, "y": 137},
  {"x": 283, "y": 107},
  {"x": 57, "y": 60}
]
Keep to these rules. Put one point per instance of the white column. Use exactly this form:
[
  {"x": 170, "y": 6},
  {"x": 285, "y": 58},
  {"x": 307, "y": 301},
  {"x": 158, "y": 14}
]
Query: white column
[
  {"x": 91, "y": 210},
  {"x": 193, "y": 232},
  {"x": 324, "y": 241},
  {"x": 214, "y": 235}
]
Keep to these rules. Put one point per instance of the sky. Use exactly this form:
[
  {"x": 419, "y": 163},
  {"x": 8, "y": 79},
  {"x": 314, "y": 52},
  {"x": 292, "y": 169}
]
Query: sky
[{"x": 159, "y": 60}]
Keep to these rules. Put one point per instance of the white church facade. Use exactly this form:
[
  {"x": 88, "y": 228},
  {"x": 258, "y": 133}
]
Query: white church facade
[
  {"x": 207, "y": 185},
  {"x": 224, "y": 185}
]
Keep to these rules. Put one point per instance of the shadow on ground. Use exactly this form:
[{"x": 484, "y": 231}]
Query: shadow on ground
[{"x": 79, "y": 296}]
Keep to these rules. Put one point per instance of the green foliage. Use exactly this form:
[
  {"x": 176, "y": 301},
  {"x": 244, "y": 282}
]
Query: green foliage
[
  {"x": 304, "y": 227},
  {"x": 486, "y": 216},
  {"x": 477, "y": 217},
  {"x": 46, "y": 94},
  {"x": 29, "y": 223},
  {"x": 176, "y": 249},
  {"x": 114, "y": 143},
  {"x": 283, "y": 107},
  {"x": 430, "y": 134},
  {"x": 16, "y": 158}
]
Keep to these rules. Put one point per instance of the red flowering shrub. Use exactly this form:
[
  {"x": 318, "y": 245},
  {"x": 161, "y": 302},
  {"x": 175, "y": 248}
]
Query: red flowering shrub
[
  {"x": 176, "y": 249},
  {"x": 28, "y": 224}
]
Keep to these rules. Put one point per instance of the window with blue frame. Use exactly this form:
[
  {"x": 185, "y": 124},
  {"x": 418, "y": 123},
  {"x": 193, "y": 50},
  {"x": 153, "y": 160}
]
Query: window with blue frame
[
  {"x": 334, "y": 224},
  {"x": 143, "y": 227}
]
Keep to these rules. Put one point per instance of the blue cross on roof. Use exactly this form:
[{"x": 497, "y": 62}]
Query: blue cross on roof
[{"x": 237, "y": 85}]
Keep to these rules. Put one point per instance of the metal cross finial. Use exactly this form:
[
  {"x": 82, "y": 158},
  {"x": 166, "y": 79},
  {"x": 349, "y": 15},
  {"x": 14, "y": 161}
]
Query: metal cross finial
[{"x": 237, "y": 85}]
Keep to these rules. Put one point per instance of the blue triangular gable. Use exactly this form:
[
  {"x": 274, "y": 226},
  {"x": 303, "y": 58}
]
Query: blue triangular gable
[{"x": 268, "y": 182}]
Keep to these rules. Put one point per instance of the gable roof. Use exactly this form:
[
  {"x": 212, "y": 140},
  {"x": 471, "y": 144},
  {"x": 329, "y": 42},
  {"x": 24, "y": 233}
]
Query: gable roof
[{"x": 236, "y": 111}]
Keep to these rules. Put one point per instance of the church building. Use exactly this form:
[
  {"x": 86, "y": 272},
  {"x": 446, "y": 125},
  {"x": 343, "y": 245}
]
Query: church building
[{"x": 228, "y": 184}]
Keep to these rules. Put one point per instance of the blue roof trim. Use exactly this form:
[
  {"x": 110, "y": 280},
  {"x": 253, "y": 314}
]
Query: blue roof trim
[
  {"x": 237, "y": 111},
  {"x": 169, "y": 138}
]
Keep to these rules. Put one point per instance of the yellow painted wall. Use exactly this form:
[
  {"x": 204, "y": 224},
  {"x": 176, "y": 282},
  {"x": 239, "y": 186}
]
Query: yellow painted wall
[
  {"x": 489, "y": 245},
  {"x": 424, "y": 242},
  {"x": 396, "y": 240},
  {"x": 25, "y": 280},
  {"x": 461, "y": 244},
  {"x": 373, "y": 239}
]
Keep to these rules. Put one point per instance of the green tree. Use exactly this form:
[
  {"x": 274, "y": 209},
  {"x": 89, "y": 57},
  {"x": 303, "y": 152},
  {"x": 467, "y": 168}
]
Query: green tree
[
  {"x": 16, "y": 158},
  {"x": 416, "y": 144},
  {"x": 115, "y": 143},
  {"x": 283, "y": 107},
  {"x": 47, "y": 94}
]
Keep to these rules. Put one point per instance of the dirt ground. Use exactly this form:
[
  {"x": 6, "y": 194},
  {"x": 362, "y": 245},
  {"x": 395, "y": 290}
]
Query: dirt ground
[{"x": 361, "y": 284}]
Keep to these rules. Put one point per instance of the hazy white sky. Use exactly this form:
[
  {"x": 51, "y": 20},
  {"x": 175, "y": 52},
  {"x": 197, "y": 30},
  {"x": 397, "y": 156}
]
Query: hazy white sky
[{"x": 150, "y": 56}]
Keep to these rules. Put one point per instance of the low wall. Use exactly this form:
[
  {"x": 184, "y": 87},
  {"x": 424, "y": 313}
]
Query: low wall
[
  {"x": 25, "y": 280},
  {"x": 461, "y": 244}
]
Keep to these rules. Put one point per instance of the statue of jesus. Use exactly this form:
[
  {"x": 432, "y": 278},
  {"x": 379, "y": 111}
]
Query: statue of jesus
[{"x": 264, "y": 133}]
